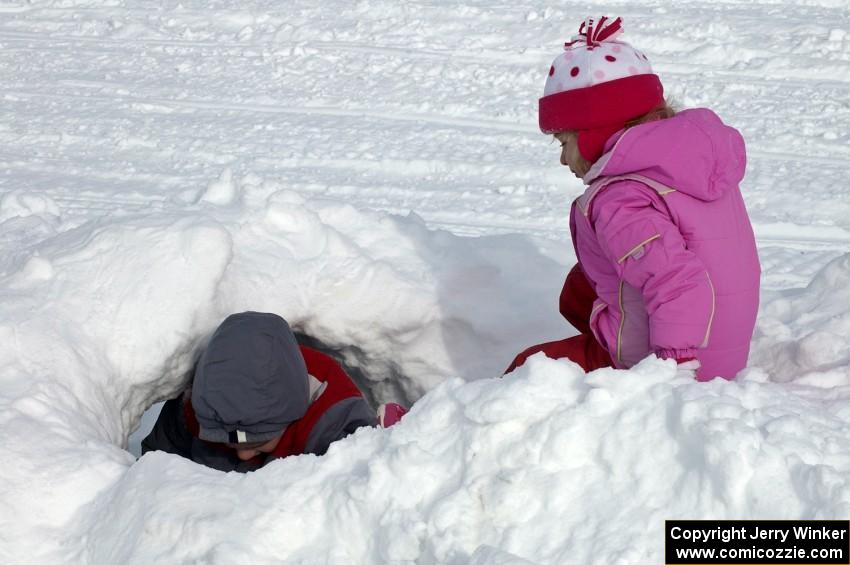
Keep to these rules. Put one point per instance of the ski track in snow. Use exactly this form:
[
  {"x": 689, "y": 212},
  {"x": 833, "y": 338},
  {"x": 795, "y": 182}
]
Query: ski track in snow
[{"x": 151, "y": 110}]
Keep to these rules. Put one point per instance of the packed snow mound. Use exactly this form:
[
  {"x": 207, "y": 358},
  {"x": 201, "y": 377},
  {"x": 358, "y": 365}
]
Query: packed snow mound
[
  {"x": 548, "y": 465},
  {"x": 803, "y": 333},
  {"x": 107, "y": 317}
]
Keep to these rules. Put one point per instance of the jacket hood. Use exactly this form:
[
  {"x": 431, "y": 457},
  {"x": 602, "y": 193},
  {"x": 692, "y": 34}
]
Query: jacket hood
[
  {"x": 693, "y": 152},
  {"x": 251, "y": 380}
]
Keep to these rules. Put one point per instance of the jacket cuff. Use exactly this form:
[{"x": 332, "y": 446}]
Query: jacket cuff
[{"x": 679, "y": 355}]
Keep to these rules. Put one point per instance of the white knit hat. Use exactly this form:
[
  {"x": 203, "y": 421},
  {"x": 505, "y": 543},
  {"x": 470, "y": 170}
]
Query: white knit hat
[
  {"x": 597, "y": 85},
  {"x": 594, "y": 56}
]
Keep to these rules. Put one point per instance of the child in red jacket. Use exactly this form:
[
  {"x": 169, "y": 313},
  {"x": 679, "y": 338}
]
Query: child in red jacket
[{"x": 257, "y": 396}]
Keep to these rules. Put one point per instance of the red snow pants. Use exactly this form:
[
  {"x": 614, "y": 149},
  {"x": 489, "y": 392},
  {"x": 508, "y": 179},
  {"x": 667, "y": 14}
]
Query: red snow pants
[{"x": 575, "y": 304}]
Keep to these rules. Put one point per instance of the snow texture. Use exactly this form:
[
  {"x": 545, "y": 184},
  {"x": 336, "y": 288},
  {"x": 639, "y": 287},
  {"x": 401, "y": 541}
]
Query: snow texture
[{"x": 372, "y": 171}]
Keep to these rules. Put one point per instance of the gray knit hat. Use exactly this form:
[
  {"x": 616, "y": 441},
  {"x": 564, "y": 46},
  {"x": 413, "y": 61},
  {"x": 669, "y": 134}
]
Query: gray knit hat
[{"x": 251, "y": 381}]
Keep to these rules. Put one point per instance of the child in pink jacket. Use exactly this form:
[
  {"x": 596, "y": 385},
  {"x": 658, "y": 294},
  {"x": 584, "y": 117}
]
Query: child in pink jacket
[{"x": 667, "y": 261}]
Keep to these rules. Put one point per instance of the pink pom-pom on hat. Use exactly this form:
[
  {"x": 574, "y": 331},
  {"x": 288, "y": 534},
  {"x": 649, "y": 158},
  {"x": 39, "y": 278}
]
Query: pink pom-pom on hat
[{"x": 597, "y": 85}]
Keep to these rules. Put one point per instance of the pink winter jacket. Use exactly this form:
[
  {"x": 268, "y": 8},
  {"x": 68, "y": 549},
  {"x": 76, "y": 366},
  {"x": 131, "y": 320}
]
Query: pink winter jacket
[{"x": 663, "y": 235}]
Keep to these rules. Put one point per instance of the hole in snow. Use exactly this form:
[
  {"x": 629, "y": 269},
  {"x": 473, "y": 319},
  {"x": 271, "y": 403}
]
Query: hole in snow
[{"x": 354, "y": 361}]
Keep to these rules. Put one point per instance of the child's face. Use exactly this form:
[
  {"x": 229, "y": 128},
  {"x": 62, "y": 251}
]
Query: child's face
[
  {"x": 249, "y": 451},
  {"x": 570, "y": 156}
]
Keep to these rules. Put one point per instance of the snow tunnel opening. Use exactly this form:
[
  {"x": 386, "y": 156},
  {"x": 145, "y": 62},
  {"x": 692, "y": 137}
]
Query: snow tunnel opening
[
  {"x": 364, "y": 369},
  {"x": 354, "y": 360}
]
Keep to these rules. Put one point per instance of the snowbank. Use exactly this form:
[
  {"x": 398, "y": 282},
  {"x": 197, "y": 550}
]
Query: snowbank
[
  {"x": 549, "y": 465},
  {"x": 106, "y": 318},
  {"x": 803, "y": 333}
]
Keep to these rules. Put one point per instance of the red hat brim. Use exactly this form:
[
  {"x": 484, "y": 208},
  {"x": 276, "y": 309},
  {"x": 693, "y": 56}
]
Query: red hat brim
[{"x": 602, "y": 105}]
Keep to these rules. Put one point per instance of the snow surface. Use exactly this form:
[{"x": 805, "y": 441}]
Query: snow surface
[{"x": 373, "y": 172}]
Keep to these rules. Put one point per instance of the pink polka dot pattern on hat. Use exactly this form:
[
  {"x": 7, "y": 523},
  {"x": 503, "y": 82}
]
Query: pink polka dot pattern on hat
[
  {"x": 574, "y": 71},
  {"x": 552, "y": 70},
  {"x": 610, "y": 58},
  {"x": 599, "y": 74}
]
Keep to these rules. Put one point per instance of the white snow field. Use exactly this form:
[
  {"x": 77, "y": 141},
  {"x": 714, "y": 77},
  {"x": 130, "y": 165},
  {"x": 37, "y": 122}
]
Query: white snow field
[{"x": 372, "y": 171}]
